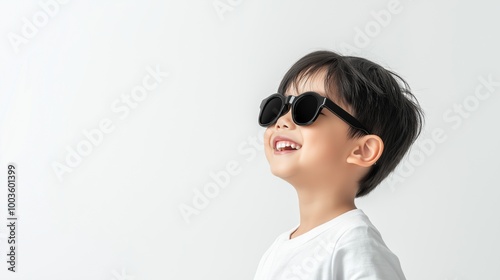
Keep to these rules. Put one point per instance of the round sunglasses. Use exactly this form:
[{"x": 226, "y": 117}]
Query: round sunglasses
[{"x": 305, "y": 109}]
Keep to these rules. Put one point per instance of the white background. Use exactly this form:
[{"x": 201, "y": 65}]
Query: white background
[{"x": 116, "y": 214}]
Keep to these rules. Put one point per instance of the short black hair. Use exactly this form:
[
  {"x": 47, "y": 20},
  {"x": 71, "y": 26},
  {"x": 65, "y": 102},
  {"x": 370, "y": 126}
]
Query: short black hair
[{"x": 387, "y": 108}]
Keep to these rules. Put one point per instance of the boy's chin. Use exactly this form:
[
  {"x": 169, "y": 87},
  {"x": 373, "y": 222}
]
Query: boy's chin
[{"x": 283, "y": 172}]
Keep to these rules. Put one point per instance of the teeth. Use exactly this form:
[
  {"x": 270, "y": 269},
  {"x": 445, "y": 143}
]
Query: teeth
[{"x": 280, "y": 145}]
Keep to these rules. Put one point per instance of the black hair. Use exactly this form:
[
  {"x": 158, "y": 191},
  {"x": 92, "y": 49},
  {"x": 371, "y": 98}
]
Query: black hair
[{"x": 387, "y": 108}]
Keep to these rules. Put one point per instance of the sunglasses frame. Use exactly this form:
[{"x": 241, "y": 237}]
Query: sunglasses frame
[{"x": 289, "y": 102}]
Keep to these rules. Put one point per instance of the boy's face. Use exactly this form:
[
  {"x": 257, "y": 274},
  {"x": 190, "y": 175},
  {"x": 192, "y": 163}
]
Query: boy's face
[{"x": 325, "y": 145}]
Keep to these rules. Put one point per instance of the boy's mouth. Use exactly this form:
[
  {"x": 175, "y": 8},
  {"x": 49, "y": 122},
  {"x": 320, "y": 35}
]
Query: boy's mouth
[{"x": 281, "y": 144}]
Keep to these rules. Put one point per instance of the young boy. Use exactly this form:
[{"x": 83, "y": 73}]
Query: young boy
[{"x": 336, "y": 128}]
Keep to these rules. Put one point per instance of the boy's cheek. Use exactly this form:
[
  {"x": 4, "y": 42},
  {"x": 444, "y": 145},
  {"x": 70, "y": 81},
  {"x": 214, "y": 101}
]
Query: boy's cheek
[{"x": 267, "y": 138}]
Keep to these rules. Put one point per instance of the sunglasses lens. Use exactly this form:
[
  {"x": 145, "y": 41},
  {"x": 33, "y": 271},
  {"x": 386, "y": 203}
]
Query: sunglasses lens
[
  {"x": 305, "y": 109},
  {"x": 270, "y": 111}
]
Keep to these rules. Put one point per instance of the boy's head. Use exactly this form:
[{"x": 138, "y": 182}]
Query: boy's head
[{"x": 332, "y": 147}]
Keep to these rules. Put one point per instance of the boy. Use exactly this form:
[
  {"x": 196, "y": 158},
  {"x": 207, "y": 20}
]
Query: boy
[{"x": 336, "y": 128}]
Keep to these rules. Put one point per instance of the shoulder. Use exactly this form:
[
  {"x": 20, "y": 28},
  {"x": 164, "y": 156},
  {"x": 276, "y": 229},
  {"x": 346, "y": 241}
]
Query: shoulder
[
  {"x": 361, "y": 233},
  {"x": 361, "y": 253}
]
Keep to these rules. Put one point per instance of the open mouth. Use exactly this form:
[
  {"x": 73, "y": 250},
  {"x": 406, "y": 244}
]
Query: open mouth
[{"x": 283, "y": 146}]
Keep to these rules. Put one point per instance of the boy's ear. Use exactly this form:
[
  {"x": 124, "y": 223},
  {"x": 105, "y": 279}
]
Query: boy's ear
[{"x": 367, "y": 150}]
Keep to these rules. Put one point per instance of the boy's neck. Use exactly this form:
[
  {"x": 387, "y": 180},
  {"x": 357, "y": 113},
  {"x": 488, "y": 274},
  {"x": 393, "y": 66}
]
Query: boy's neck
[{"x": 317, "y": 210}]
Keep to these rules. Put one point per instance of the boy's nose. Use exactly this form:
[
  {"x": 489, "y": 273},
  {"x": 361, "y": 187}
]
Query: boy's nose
[{"x": 285, "y": 121}]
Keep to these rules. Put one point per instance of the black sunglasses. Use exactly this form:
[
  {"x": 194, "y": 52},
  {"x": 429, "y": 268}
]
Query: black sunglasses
[{"x": 305, "y": 109}]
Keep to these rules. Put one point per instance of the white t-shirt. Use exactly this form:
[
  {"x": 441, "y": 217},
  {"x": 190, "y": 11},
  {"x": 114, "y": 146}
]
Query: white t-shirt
[{"x": 348, "y": 247}]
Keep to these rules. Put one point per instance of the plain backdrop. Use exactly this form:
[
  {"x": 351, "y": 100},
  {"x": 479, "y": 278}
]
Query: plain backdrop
[{"x": 191, "y": 141}]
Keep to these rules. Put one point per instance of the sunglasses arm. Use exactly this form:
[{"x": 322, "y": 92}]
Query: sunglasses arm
[{"x": 344, "y": 115}]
